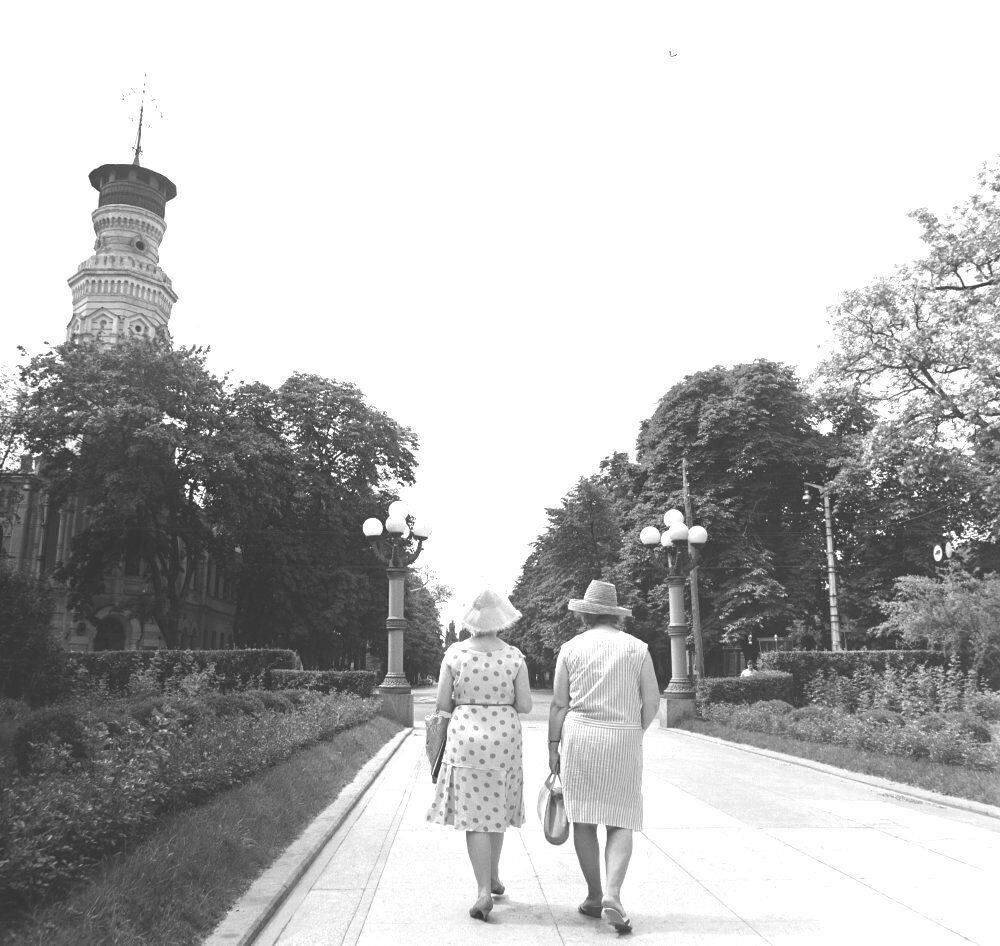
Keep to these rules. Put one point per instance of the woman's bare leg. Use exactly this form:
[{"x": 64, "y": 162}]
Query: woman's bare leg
[
  {"x": 588, "y": 853},
  {"x": 480, "y": 848},
  {"x": 617, "y": 854},
  {"x": 496, "y": 846}
]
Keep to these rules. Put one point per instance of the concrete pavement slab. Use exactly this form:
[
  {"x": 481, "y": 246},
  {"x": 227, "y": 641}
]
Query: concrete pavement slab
[{"x": 737, "y": 848}]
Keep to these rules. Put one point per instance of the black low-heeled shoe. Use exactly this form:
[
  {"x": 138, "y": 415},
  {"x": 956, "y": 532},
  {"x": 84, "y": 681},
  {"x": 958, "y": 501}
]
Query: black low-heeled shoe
[{"x": 480, "y": 910}]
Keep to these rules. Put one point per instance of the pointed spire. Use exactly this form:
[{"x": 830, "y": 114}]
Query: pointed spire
[{"x": 137, "y": 149}]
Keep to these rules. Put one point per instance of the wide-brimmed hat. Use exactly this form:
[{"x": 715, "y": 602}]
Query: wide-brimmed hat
[
  {"x": 490, "y": 612},
  {"x": 601, "y": 597}
]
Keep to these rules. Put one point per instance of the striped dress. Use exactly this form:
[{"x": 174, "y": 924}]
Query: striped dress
[{"x": 601, "y": 752}]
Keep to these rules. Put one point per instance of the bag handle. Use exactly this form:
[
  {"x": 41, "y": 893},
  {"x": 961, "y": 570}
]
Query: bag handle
[{"x": 550, "y": 782}]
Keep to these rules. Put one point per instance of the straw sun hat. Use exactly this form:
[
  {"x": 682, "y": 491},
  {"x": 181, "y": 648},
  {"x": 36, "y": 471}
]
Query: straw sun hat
[
  {"x": 490, "y": 612},
  {"x": 601, "y": 597}
]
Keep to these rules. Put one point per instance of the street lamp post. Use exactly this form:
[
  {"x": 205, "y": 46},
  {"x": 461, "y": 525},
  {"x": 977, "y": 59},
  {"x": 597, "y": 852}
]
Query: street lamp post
[
  {"x": 393, "y": 545},
  {"x": 682, "y": 546},
  {"x": 836, "y": 641}
]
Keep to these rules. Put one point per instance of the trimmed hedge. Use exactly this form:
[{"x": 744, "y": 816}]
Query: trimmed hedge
[
  {"x": 803, "y": 665},
  {"x": 56, "y": 823},
  {"x": 235, "y": 668},
  {"x": 361, "y": 682},
  {"x": 763, "y": 685}
]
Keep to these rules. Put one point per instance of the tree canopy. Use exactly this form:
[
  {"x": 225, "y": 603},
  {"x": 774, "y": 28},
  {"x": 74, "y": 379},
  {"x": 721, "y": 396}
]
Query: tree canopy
[{"x": 171, "y": 464}]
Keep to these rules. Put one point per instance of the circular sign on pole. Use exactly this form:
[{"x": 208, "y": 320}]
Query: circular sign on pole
[{"x": 938, "y": 553}]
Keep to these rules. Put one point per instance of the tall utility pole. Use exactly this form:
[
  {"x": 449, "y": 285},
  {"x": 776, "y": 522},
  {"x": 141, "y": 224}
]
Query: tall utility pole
[
  {"x": 699, "y": 647},
  {"x": 836, "y": 641}
]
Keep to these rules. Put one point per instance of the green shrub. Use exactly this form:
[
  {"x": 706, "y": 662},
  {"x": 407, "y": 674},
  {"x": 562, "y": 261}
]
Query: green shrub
[
  {"x": 53, "y": 827},
  {"x": 234, "y": 704},
  {"x": 984, "y": 705},
  {"x": 47, "y": 727},
  {"x": 878, "y": 716},
  {"x": 969, "y": 725},
  {"x": 780, "y": 707},
  {"x": 33, "y": 664},
  {"x": 143, "y": 711},
  {"x": 298, "y": 697},
  {"x": 235, "y": 669},
  {"x": 809, "y": 712},
  {"x": 804, "y": 665},
  {"x": 765, "y": 685},
  {"x": 274, "y": 701},
  {"x": 940, "y": 737},
  {"x": 361, "y": 682}
]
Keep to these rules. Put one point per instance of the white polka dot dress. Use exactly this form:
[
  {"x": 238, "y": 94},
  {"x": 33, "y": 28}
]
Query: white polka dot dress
[
  {"x": 481, "y": 783},
  {"x": 601, "y": 750}
]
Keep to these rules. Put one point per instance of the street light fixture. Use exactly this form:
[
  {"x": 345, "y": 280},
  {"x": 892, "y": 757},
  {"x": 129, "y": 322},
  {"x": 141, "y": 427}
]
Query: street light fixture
[
  {"x": 836, "y": 641},
  {"x": 393, "y": 546},
  {"x": 682, "y": 546}
]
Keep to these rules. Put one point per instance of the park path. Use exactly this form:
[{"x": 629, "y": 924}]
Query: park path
[{"x": 737, "y": 848}]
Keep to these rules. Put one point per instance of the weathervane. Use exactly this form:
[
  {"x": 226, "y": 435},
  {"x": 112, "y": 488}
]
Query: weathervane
[{"x": 137, "y": 147}]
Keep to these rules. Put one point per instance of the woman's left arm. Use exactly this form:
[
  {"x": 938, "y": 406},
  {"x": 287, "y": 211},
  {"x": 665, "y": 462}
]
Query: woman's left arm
[
  {"x": 445, "y": 696},
  {"x": 522, "y": 690}
]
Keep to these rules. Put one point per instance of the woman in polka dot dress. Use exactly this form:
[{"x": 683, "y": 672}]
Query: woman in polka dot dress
[{"x": 480, "y": 788}]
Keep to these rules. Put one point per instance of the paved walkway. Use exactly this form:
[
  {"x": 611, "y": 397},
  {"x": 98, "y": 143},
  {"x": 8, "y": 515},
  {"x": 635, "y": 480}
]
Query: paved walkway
[{"x": 737, "y": 848}]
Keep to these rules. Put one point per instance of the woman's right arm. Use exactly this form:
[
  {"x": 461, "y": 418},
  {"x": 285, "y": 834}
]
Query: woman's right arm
[
  {"x": 558, "y": 710},
  {"x": 445, "y": 696},
  {"x": 649, "y": 690}
]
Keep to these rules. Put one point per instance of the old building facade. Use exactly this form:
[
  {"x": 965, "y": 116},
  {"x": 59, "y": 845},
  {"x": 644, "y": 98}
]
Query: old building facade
[{"x": 119, "y": 292}]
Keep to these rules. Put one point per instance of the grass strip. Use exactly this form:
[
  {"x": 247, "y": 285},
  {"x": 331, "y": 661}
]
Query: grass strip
[
  {"x": 952, "y": 780},
  {"x": 175, "y": 886}
]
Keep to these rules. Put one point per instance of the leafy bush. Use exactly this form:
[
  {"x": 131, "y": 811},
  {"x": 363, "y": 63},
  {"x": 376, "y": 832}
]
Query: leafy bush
[
  {"x": 234, "y": 704},
  {"x": 881, "y": 717},
  {"x": 144, "y": 711},
  {"x": 969, "y": 725},
  {"x": 234, "y": 669},
  {"x": 984, "y": 705},
  {"x": 32, "y": 663},
  {"x": 765, "y": 685},
  {"x": 804, "y": 665},
  {"x": 775, "y": 706},
  {"x": 361, "y": 682},
  {"x": 45, "y": 728},
  {"x": 938, "y": 737},
  {"x": 274, "y": 701},
  {"x": 55, "y": 824},
  {"x": 912, "y": 691}
]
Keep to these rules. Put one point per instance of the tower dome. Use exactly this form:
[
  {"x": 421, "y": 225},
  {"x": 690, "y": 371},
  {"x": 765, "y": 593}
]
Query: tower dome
[{"x": 121, "y": 291}]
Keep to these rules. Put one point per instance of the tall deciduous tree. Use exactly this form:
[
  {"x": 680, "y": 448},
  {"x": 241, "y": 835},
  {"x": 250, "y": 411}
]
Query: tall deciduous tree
[
  {"x": 582, "y": 542},
  {"x": 140, "y": 434},
  {"x": 749, "y": 436},
  {"x": 308, "y": 578},
  {"x": 923, "y": 346}
]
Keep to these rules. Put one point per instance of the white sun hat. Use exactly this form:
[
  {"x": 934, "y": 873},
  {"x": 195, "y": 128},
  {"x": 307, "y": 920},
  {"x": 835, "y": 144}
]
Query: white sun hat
[
  {"x": 601, "y": 597},
  {"x": 490, "y": 612}
]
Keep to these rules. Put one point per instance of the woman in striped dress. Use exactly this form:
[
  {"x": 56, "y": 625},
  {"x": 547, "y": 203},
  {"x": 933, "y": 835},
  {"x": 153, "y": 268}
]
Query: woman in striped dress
[{"x": 605, "y": 696}]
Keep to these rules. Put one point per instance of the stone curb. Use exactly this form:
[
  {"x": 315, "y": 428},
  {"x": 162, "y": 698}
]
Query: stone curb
[
  {"x": 873, "y": 781},
  {"x": 254, "y": 910}
]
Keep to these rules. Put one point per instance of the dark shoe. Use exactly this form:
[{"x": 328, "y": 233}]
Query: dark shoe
[
  {"x": 590, "y": 909},
  {"x": 480, "y": 910},
  {"x": 618, "y": 920}
]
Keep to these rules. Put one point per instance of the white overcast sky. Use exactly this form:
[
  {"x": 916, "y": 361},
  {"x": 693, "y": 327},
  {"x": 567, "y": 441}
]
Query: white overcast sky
[{"x": 514, "y": 225}]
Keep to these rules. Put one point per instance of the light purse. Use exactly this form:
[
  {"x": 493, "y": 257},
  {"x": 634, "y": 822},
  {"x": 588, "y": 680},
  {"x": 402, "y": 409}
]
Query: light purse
[{"x": 552, "y": 811}]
